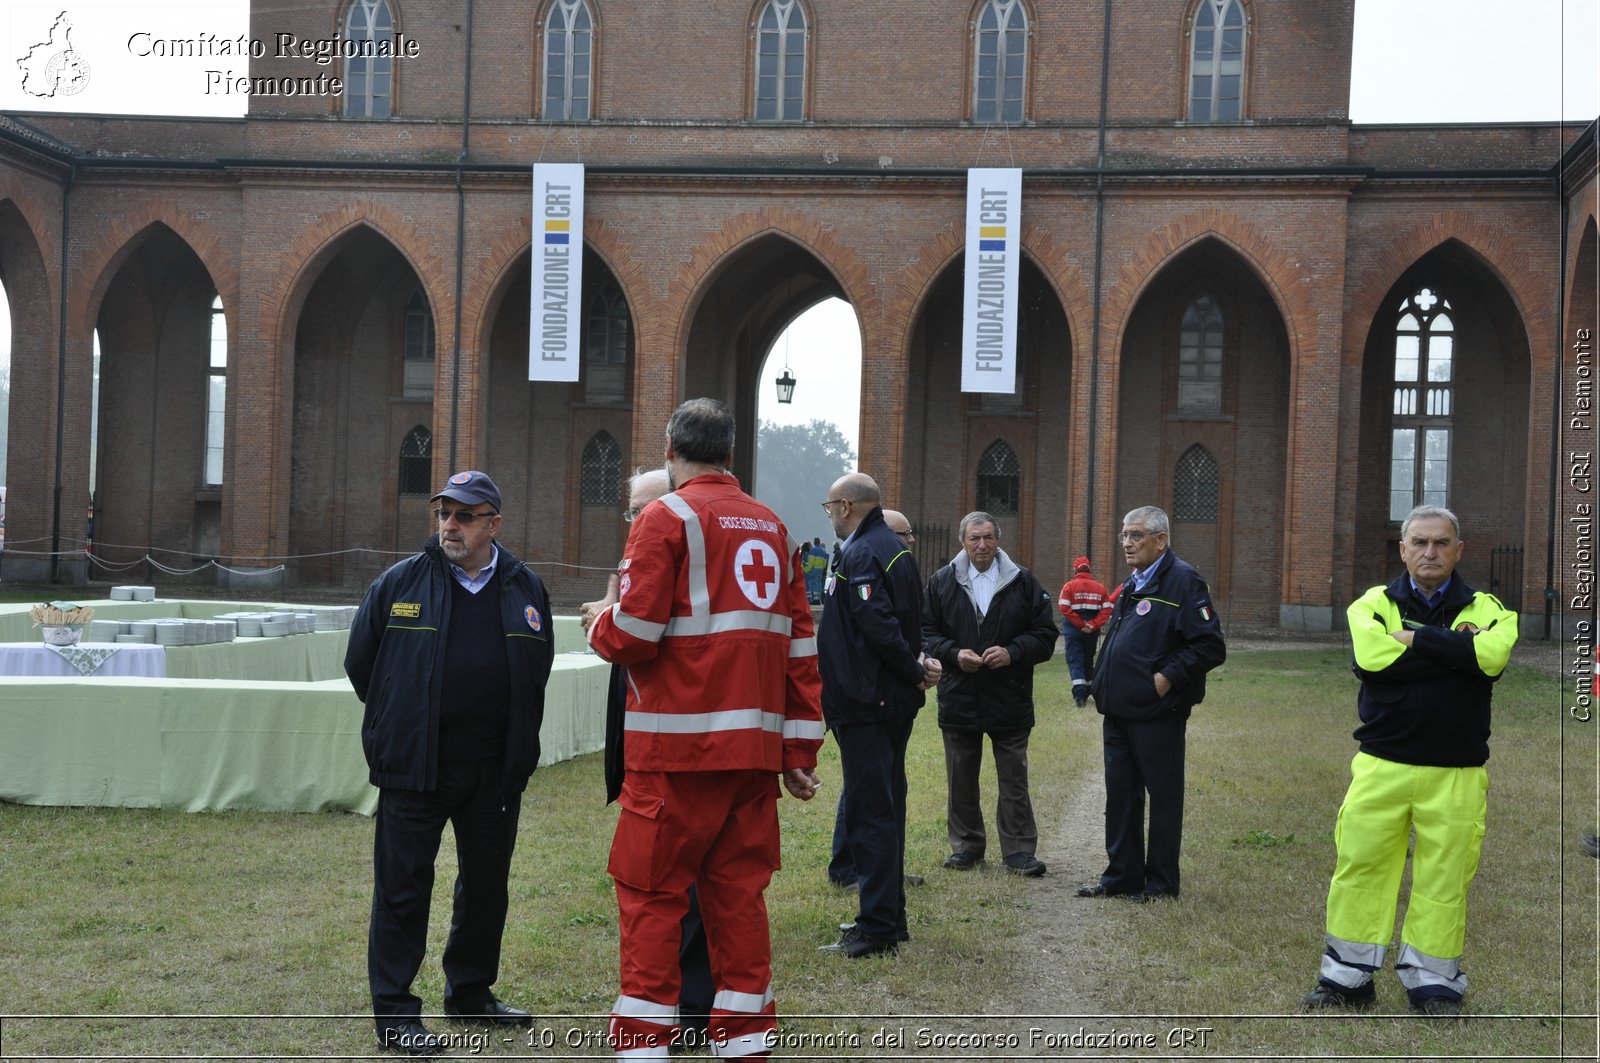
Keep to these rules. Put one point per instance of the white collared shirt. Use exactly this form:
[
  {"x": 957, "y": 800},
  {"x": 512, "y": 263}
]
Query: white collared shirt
[
  {"x": 474, "y": 584},
  {"x": 984, "y": 584}
]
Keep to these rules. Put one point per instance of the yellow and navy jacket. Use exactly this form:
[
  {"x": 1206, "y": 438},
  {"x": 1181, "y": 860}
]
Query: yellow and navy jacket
[
  {"x": 395, "y": 661},
  {"x": 1428, "y": 704}
]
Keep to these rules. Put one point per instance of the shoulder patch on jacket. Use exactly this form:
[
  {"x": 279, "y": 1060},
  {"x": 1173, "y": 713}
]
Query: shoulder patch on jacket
[
  {"x": 409, "y": 610},
  {"x": 535, "y": 621}
]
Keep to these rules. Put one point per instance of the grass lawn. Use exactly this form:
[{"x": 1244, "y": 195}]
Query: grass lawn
[{"x": 245, "y": 933}]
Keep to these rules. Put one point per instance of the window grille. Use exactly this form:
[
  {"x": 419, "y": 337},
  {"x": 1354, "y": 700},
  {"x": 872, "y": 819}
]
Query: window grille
[
  {"x": 216, "y": 397},
  {"x": 418, "y": 347},
  {"x": 1200, "y": 357},
  {"x": 606, "y": 347},
  {"x": 1196, "y": 487},
  {"x": 416, "y": 462},
  {"x": 999, "y": 480},
  {"x": 602, "y": 471}
]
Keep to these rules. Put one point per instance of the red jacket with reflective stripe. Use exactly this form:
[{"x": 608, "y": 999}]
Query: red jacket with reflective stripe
[
  {"x": 1085, "y": 602},
  {"x": 715, "y": 630}
]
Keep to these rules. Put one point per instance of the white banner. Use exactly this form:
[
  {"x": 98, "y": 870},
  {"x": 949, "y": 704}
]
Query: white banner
[
  {"x": 556, "y": 316},
  {"x": 990, "y": 302}
]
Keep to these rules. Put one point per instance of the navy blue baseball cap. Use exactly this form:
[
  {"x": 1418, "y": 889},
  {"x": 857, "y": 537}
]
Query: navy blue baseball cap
[{"x": 471, "y": 487}]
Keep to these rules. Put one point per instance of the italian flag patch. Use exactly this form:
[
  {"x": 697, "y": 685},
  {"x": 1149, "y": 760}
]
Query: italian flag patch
[
  {"x": 864, "y": 591},
  {"x": 1205, "y": 613}
]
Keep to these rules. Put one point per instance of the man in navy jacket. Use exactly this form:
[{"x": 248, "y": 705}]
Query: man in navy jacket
[
  {"x": 873, "y": 679},
  {"x": 1163, "y": 637},
  {"x": 449, "y": 652}
]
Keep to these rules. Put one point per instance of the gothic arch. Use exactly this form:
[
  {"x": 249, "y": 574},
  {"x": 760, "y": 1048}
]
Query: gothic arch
[
  {"x": 118, "y": 240},
  {"x": 1500, "y": 252}
]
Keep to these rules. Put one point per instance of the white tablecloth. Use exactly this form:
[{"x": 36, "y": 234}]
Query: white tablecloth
[{"x": 35, "y": 658}]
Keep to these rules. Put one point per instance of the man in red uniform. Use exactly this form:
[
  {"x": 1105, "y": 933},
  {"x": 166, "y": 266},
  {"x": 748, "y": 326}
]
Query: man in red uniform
[
  {"x": 1086, "y": 604},
  {"x": 709, "y": 614}
]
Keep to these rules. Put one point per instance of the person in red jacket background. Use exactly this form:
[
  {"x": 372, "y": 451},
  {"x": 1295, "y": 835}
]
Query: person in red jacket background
[
  {"x": 709, "y": 614},
  {"x": 1086, "y": 604}
]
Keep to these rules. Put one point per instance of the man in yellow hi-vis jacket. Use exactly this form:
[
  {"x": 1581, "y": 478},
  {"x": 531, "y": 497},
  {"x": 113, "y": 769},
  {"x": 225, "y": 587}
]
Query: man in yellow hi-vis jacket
[{"x": 1428, "y": 650}]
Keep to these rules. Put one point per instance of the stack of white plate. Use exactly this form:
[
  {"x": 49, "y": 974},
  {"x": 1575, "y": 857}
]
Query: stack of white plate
[
  {"x": 103, "y": 630},
  {"x": 133, "y": 594},
  {"x": 274, "y": 628}
]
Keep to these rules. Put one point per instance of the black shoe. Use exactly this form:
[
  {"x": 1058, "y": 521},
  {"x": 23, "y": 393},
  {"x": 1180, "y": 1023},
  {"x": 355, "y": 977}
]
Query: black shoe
[
  {"x": 1589, "y": 844},
  {"x": 1328, "y": 995},
  {"x": 914, "y": 880},
  {"x": 495, "y": 1012},
  {"x": 1151, "y": 896},
  {"x": 1025, "y": 864},
  {"x": 410, "y": 1037},
  {"x": 853, "y": 884},
  {"x": 962, "y": 860},
  {"x": 1098, "y": 889},
  {"x": 1439, "y": 1007},
  {"x": 853, "y": 944}
]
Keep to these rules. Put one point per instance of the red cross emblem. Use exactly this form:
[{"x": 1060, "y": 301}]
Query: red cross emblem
[{"x": 756, "y": 569}]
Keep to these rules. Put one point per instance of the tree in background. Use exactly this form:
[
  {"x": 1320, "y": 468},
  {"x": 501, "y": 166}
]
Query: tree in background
[{"x": 795, "y": 466}]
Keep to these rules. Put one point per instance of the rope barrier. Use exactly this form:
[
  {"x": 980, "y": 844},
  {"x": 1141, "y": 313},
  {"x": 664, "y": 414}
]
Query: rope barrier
[{"x": 148, "y": 559}]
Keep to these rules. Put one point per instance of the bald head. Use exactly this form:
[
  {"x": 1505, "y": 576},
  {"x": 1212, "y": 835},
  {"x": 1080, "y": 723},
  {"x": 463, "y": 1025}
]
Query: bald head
[
  {"x": 898, "y": 524},
  {"x": 851, "y": 498}
]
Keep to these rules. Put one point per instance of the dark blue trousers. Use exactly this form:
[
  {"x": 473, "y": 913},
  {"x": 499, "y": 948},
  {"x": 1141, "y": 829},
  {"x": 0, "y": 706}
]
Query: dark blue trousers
[
  {"x": 409, "y": 825},
  {"x": 1143, "y": 757},
  {"x": 873, "y": 758}
]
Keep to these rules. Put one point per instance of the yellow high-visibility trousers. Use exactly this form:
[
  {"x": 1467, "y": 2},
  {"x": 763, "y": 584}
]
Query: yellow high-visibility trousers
[{"x": 1448, "y": 808}]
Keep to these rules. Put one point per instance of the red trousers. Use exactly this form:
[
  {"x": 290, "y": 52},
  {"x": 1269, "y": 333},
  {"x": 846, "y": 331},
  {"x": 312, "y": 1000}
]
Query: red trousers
[{"x": 718, "y": 829}]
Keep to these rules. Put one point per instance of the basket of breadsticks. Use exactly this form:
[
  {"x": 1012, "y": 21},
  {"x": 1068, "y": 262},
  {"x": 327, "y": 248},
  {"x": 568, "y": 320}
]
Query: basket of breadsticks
[{"x": 61, "y": 623}]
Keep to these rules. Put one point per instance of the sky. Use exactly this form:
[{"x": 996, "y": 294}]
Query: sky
[{"x": 1414, "y": 61}]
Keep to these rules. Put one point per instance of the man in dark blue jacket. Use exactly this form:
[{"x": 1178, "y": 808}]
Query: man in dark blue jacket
[
  {"x": 873, "y": 680},
  {"x": 449, "y": 652},
  {"x": 1162, "y": 639}
]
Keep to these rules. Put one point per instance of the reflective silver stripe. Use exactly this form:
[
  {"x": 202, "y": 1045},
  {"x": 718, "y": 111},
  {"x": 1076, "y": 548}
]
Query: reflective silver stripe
[
  {"x": 662, "y": 1053},
  {"x": 704, "y": 722},
  {"x": 1350, "y": 963},
  {"x": 1417, "y": 969},
  {"x": 647, "y": 1010},
  {"x": 703, "y": 623},
  {"x": 695, "y": 540},
  {"x": 803, "y": 648},
  {"x": 644, "y": 630},
  {"x": 748, "y": 1045},
  {"x": 804, "y": 729},
  {"x": 749, "y": 1003}
]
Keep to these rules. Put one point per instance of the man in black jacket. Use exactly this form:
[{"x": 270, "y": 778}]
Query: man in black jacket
[
  {"x": 449, "y": 652},
  {"x": 873, "y": 680},
  {"x": 989, "y": 622},
  {"x": 1162, "y": 639}
]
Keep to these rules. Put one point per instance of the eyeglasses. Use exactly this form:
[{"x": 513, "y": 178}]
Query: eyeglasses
[
  {"x": 907, "y": 535},
  {"x": 463, "y": 517},
  {"x": 630, "y": 513},
  {"x": 1135, "y": 536},
  {"x": 827, "y": 507}
]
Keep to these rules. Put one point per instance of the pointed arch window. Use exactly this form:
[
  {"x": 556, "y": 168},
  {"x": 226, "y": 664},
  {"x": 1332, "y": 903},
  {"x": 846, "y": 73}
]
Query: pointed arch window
[
  {"x": 602, "y": 471},
  {"x": 999, "y": 480},
  {"x": 1200, "y": 357},
  {"x": 1216, "y": 62},
  {"x": 1001, "y": 64},
  {"x": 781, "y": 62},
  {"x": 416, "y": 462},
  {"x": 1196, "y": 487},
  {"x": 418, "y": 347},
  {"x": 216, "y": 397},
  {"x": 606, "y": 339},
  {"x": 1423, "y": 403},
  {"x": 568, "y": 61},
  {"x": 369, "y": 76}
]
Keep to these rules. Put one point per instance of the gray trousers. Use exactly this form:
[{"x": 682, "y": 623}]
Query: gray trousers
[{"x": 963, "y": 757}]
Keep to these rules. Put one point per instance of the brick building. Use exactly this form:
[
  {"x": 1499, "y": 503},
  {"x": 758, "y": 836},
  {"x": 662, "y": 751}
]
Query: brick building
[{"x": 1281, "y": 327}]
